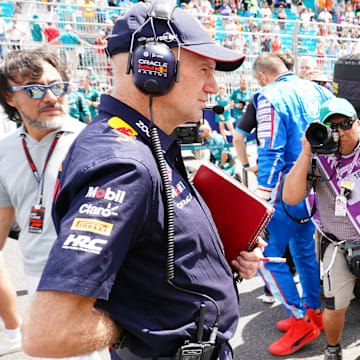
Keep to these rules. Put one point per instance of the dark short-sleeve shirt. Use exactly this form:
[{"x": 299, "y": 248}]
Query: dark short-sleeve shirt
[
  {"x": 112, "y": 244},
  {"x": 247, "y": 122}
]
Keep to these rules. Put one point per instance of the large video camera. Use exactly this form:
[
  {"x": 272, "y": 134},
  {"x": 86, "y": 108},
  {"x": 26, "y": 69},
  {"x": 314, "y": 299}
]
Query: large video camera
[
  {"x": 188, "y": 133},
  {"x": 324, "y": 139}
]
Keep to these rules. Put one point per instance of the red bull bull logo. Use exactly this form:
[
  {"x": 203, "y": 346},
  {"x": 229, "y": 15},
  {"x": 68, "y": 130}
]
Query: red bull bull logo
[{"x": 122, "y": 127}]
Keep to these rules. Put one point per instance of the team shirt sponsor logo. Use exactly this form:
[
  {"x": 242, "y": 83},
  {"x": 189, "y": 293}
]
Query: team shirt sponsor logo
[
  {"x": 144, "y": 128},
  {"x": 92, "y": 225},
  {"x": 165, "y": 37},
  {"x": 264, "y": 126},
  {"x": 90, "y": 209},
  {"x": 122, "y": 127},
  {"x": 84, "y": 243},
  {"x": 264, "y": 117},
  {"x": 264, "y": 130},
  {"x": 168, "y": 170},
  {"x": 152, "y": 67},
  {"x": 185, "y": 201},
  {"x": 178, "y": 189},
  {"x": 95, "y": 192},
  {"x": 263, "y": 103},
  {"x": 266, "y": 111},
  {"x": 264, "y": 135},
  {"x": 273, "y": 169},
  {"x": 312, "y": 108}
]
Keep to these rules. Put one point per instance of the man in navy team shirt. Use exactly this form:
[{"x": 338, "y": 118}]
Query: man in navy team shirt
[{"x": 106, "y": 276}]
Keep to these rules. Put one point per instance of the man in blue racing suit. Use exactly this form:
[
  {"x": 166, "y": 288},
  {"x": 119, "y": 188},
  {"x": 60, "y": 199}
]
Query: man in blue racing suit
[
  {"x": 138, "y": 258},
  {"x": 284, "y": 107}
]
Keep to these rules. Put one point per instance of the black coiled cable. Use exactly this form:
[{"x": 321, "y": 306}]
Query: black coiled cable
[
  {"x": 169, "y": 204},
  {"x": 169, "y": 221}
]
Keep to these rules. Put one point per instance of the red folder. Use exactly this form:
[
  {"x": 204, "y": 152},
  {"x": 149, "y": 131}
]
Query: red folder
[{"x": 240, "y": 216}]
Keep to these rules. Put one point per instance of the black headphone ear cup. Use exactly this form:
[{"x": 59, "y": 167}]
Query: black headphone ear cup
[{"x": 154, "y": 68}]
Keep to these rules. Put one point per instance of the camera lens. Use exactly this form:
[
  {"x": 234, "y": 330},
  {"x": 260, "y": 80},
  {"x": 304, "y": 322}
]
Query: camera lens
[{"x": 318, "y": 134}]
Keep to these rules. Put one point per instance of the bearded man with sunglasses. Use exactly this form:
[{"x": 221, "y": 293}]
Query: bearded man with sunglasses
[
  {"x": 337, "y": 190},
  {"x": 33, "y": 89}
]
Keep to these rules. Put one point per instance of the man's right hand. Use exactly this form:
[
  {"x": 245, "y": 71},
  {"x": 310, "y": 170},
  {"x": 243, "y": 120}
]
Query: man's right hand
[
  {"x": 306, "y": 147},
  {"x": 247, "y": 263}
]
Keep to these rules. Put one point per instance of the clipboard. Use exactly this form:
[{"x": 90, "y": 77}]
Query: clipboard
[{"x": 240, "y": 215}]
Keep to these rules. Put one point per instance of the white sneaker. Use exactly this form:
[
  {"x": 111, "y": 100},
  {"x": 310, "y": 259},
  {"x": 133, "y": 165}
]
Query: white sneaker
[
  {"x": 268, "y": 299},
  {"x": 7, "y": 345}
]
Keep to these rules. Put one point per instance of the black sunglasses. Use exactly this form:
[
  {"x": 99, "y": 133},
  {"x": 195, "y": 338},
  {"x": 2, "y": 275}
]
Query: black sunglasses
[{"x": 345, "y": 124}]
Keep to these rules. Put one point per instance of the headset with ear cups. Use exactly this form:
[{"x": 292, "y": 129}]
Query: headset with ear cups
[{"x": 153, "y": 64}]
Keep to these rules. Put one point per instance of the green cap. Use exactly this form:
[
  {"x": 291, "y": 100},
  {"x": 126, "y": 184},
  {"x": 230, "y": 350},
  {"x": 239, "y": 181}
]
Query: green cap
[{"x": 336, "y": 106}]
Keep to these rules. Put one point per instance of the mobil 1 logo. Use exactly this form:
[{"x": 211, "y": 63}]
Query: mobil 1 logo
[{"x": 115, "y": 196}]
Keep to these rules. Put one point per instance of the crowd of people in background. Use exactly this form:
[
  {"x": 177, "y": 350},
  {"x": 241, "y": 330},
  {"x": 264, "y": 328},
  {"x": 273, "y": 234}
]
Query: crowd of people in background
[
  {"x": 79, "y": 28},
  {"x": 255, "y": 29}
]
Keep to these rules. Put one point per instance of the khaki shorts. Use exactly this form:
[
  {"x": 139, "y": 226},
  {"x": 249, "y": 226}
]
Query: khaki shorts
[{"x": 339, "y": 282}]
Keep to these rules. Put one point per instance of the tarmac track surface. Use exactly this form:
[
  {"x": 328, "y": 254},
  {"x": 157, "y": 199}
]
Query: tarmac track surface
[{"x": 256, "y": 329}]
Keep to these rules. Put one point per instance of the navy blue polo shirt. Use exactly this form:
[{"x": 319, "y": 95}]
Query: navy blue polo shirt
[{"x": 111, "y": 244}]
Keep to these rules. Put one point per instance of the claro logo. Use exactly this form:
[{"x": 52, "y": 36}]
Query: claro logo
[
  {"x": 84, "y": 243},
  {"x": 91, "y": 225}
]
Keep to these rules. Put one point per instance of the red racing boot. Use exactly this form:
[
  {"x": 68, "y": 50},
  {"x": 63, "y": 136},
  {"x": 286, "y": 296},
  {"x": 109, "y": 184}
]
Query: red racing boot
[
  {"x": 301, "y": 332},
  {"x": 284, "y": 325},
  {"x": 316, "y": 318}
]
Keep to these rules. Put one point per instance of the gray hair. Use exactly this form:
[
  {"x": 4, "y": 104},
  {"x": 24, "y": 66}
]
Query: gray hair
[{"x": 269, "y": 63}]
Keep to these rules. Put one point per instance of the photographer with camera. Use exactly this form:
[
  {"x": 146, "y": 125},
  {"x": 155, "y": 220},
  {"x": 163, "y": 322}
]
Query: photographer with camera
[{"x": 329, "y": 163}]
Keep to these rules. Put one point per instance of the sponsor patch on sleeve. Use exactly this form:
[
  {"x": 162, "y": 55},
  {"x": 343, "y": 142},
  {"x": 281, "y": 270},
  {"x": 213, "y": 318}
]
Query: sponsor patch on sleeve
[
  {"x": 84, "y": 243},
  {"x": 104, "y": 211},
  {"x": 122, "y": 127},
  {"x": 92, "y": 225},
  {"x": 265, "y": 120}
]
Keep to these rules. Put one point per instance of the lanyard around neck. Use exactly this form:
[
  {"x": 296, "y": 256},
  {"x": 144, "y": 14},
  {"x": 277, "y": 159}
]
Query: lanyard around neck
[
  {"x": 350, "y": 169},
  {"x": 39, "y": 178}
]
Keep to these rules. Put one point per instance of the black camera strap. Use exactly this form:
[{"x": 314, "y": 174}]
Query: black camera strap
[
  {"x": 297, "y": 220},
  {"x": 315, "y": 179},
  {"x": 319, "y": 178}
]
